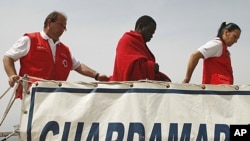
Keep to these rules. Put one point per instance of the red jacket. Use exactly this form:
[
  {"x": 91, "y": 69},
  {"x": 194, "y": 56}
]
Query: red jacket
[
  {"x": 218, "y": 70},
  {"x": 39, "y": 60}
]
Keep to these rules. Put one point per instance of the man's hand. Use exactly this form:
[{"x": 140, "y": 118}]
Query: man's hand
[
  {"x": 13, "y": 79},
  {"x": 102, "y": 77}
]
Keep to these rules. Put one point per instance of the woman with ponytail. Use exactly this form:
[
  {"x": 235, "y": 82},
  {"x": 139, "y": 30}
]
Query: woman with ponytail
[{"x": 217, "y": 68}]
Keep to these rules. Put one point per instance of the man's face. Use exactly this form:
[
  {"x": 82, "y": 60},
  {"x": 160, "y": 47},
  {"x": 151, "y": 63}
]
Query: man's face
[
  {"x": 57, "y": 27},
  {"x": 148, "y": 31}
]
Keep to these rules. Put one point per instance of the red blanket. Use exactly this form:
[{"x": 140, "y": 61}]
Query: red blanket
[{"x": 134, "y": 61}]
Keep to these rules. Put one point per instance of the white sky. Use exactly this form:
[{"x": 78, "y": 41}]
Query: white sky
[{"x": 94, "y": 28}]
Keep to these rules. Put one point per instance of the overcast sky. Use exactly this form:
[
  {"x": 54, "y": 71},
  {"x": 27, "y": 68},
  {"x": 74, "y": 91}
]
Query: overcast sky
[{"x": 94, "y": 28}]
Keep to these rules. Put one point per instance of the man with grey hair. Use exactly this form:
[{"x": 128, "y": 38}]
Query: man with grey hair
[{"x": 43, "y": 55}]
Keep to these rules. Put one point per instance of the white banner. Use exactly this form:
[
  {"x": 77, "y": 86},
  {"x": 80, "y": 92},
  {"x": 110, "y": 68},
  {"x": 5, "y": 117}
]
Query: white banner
[{"x": 132, "y": 111}]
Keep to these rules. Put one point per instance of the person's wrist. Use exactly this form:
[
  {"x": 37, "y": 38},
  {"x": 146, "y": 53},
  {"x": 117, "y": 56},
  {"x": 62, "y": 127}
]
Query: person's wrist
[{"x": 96, "y": 76}]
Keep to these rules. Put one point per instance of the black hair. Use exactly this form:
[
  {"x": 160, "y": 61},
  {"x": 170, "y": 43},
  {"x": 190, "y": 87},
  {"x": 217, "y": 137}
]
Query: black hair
[
  {"x": 144, "y": 21},
  {"x": 224, "y": 26},
  {"x": 53, "y": 17}
]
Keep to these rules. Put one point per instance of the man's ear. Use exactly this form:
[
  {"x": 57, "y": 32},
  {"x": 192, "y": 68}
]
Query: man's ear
[{"x": 49, "y": 22}]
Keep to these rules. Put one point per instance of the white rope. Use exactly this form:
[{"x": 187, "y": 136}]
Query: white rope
[
  {"x": 22, "y": 79},
  {"x": 5, "y": 93},
  {"x": 11, "y": 134},
  {"x": 12, "y": 99},
  {"x": 45, "y": 80},
  {"x": 163, "y": 83},
  {"x": 129, "y": 83},
  {"x": 18, "y": 81},
  {"x": 86, "y": 83}
]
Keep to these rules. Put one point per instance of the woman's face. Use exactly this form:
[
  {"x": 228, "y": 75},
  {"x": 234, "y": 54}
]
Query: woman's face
[{"x": 231, "y": 37}]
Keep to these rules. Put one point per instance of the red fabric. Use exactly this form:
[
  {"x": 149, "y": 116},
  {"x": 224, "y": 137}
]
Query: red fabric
[
  {"x": 218, "y": 70},
  {"x": 134, "y": 61},
  {"x": 39, "y": 61}
]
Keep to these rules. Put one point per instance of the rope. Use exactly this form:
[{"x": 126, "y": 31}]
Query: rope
[
  {"x": 44, "y": 80},
  {"x": 129, "y": 83},
  {"x": 15, "y": 132},
  {"x": 202, "y": 86},
  {"x": 86, "y": 83},
  {"x": 5, "y": 93},
  {"x": 12, "y": 99},
  {"x": 163, "y": 83}
]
